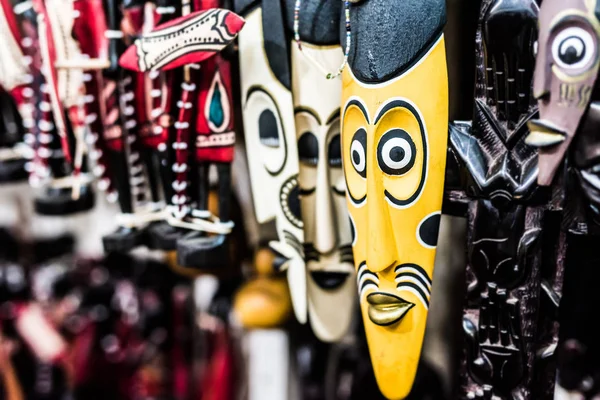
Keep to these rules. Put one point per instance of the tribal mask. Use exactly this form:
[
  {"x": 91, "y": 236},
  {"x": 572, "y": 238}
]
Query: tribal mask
[
  {"x": 268, "y": 115},
  {"x": 394, "y": 137},
  {"x": 327, "y": 236},
  {"x": 565, "y": 74}
]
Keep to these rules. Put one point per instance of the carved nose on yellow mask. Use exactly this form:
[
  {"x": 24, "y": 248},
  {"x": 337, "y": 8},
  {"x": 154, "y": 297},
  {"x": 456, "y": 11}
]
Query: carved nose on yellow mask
[{"x": 381, "y": 246}]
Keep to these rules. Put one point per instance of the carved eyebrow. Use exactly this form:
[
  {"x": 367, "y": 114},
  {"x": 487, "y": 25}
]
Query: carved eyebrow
[
  {"x": 397, "y": 103},
  {"x": 333, "y": 117},
  {"x": 302, "y": 109},
  {"x": 356, "y": 102}
]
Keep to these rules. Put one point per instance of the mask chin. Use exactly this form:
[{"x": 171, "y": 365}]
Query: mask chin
[{"x": 330, "y": 303}]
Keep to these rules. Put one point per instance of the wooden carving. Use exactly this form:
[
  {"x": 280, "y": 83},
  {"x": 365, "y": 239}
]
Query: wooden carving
[
  {"x": 207, "y": 94},
  {"x": 565, "y": 77},
  {"x": 69, "y": 190},
  {"x": 566, "y": 87},
  {"x": 394, "y": 136},
  {"x": 268, "y": 115},
  {"x": 331, "y": 289},
  {"x": 121, "y": 136},
  {"x": 213, "y": 143},
  {"x": 510, "y": 311}
]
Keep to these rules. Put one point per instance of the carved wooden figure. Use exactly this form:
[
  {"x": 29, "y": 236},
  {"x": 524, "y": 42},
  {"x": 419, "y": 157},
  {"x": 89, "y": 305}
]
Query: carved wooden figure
[
  {"x": 268, "y": 115},
  {"x": 89, "y": 29},
  {"x": 204, "y": 43},
  {"x": 154, "y": 91},
  {"x": 394, "y": 137},
  {"x": 207, "y": 245},
  {"x": 63, "y": 67},
  {"x": 40, "y": 136},
  {"x": 207, "y": 31},
  {"x": 565, "y": 76},
  {"x": 331, "y": 289},
  {"x": 566, "y": 87},
  {"x": 120, "y": 133},
  {"x": 511, "y": 306}
]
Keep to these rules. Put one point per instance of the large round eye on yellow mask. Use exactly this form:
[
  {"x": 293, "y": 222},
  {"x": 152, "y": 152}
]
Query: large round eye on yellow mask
[
  {"x": 396, "y": 152},
  {"x": 354, "y": 151},
  {"x": 401, "y": 152},
  {"x": 358, "y": 152},
  {"x": 355, "y": 165}
]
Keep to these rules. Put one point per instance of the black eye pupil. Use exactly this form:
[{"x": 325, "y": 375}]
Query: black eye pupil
[
  {"x": 358, "y": 149},
  {"x": 572, "y": 50},
  {"x": 335, "y": 151},
  {"x": 397, "y": 154},
  {"x": 308, "y": 148},
  {"x": 267, "y": 129},
  {"x": 356, "y": 157}
]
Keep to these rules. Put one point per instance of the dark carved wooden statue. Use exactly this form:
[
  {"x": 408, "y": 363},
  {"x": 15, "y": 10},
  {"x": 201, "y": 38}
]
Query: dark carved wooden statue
[
  {"x": 511, "y": 299},
  {"x": 567, "y": 134}
]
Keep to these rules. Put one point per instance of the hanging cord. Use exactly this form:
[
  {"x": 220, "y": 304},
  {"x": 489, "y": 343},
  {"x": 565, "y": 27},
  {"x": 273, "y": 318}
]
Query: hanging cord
[{"x": 328, "y": 75}]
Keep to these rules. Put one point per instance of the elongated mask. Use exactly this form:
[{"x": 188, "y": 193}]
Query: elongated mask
[{"x": 394, "y": 136}]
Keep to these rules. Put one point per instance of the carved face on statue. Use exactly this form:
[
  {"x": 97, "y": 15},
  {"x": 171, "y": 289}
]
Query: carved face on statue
[
  {"x": 268, "y": 115},
  {"x": 566, "y": 70},
  {"x": 394, "y": 136},
  {"x": 502, "y": 167}
]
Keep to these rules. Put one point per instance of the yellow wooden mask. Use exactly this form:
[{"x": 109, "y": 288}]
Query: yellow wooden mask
[{"x": 394, "y": 137}]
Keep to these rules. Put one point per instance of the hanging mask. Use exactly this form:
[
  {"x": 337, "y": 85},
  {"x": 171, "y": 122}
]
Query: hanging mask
[
  {"x": 565, "y": 74},
  {"x": 268, "y": 114},
  {"x": 394, "y": 137},
  {"x": 327, "y": 237}
]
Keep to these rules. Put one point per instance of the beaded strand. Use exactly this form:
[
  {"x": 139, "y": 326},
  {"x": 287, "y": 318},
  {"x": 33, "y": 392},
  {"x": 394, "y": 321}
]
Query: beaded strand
[{"x": 328, "y": 75}]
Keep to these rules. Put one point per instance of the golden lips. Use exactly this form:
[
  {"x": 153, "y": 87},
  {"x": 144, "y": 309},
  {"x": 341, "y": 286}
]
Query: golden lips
[{"x": 387, "y": 309}]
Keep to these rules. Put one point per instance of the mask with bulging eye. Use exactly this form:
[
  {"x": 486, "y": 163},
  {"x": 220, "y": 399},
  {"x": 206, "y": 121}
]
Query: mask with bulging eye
[
  {"x": 565, "y": 74},
  {"x": 268, "y": 116},
  {"x": 394, "y": 136},
  {"x": 327, "y": 236}
]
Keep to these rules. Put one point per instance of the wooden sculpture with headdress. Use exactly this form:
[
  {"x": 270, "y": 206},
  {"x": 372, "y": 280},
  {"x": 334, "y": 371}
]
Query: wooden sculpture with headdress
[
  {"x": 510, "y": 310},
  {"x": 394, "y": 136}
]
